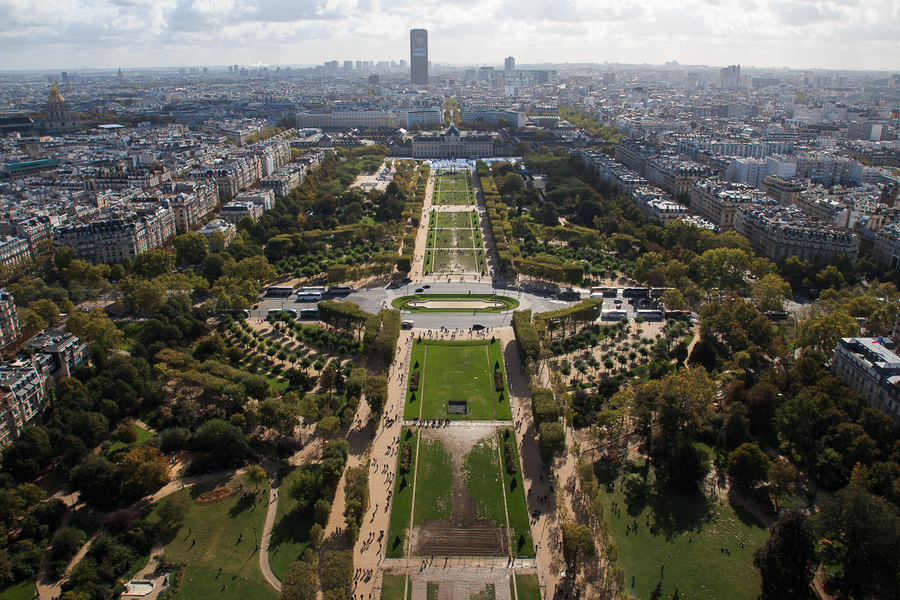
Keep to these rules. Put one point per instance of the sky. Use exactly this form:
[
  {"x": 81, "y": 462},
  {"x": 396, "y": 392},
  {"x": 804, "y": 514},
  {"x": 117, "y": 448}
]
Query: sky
[{"x": 73, "y": 34}]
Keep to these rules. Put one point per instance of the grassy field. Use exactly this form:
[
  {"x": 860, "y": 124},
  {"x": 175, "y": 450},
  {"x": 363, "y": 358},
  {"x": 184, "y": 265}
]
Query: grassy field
[
  {"x": 453, "y": 189},
  {"x": 516, "y": 504},
  {"x": 481, "y": 474},
  {"x": 23, "y": 590},
  {"x": 290, "y": 532},
  {"x": 698, "y": 568},
  {"x": 393, "y": 586},
  {"x": 403, "y": 302},
  {"x": 452, "y": 238},
  {"x": 142, "y": 435},
  {"x": 528, "y": 587},
  {"x": 434, "y": 483},
  {"x": 455, "y": 261},
  {"x": 401, "y": 506},
  {"x": 452, "y": 220},
  {"x": 207, "y": 541}
]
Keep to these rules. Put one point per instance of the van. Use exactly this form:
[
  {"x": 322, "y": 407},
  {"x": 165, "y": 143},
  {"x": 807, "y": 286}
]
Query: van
[{"x": 407, "y": 324}]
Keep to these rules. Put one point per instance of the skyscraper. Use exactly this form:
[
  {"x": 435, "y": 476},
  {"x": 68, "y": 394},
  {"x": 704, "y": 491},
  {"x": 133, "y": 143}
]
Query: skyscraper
[
  {"x": 509, "y": 64},
  {"x": 418, "y": 56}
]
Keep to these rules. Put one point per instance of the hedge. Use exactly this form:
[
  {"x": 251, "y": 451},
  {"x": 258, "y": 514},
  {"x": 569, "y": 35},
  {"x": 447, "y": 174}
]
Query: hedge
[
  {"x": 510, "y": 459},
  {"x": 544, "y": 406},
  {"x": 405, "y": 457},
  {"x": 527, "y": 340}
]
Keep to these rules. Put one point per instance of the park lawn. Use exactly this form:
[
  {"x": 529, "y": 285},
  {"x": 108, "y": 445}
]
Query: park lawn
[
  {"x": 453, "y": 220},
  {"x": 24, "y": 590},
  {"x": 516, "y": 504},
  {"x": 502, "y": 408},
  {"x": 142, "y": 435},
  {"x": 697, "y": 569},
  {"x": 290, "y": 532},
  {"x": 434, "y": 483},
  {"x": 393, "y": 586},
  {"x": 481, "y": 475},
  {"x": 457, "y": 372},
  {"x": 466, "y": 261},
  {"x": 528, "y": 587},
  {"x": 402, "y": 503},
  {"x": 452, "y": 238},
  {"x": 216, "y": 528}
]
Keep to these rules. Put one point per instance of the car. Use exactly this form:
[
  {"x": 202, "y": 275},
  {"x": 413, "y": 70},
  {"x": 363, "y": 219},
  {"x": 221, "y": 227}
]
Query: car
[
  {"x": 426, "y": 286},
  {"x": 477, "y": 326},
  {"x": 617, "y": 301},
  {"x": 420, "y": 290}
]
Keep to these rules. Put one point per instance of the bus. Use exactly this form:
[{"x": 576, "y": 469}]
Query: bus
[
  {"x": 279, "y": 290},
  {"x": 658, "y": 292},
  {"x": 678, "y": 314},
  {"x": 309, "y": 297},
  {"x": 636, "y": 292},
  {"x": 650, "y": 314},
  {"x": 309, "y": 313},
  {"x": 604, "y": 292},
  {"x": 777, "y": 315},
  {"x": 339, "y": 290},
  {"x": 312, "y": 290},
  {"x": 613, "y": 314},
  {"x": 277, "y": 312},
  {"x": 240, "y": 314}
]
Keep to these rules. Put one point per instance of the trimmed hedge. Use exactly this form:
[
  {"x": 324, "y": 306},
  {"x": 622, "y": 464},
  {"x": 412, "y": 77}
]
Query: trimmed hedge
[
  {"x": 510, "y": 459},
  {"x": 527, "y": 340},
  {"x": 414, "y": 380},
  {"x": 405, "y": 457},
  {"x": 498, "y": 380},
  {"x": 544, "y": 406}
]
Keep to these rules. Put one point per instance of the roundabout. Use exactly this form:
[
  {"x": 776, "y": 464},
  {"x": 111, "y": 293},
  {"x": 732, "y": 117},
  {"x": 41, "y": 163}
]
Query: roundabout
[{"x": 453, "y": 303}]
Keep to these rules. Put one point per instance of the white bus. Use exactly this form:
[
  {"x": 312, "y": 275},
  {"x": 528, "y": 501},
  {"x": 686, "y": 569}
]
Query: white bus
[
  {"x": 613, "y": 314},
  {"x": 309, "y": 297},
  {"x": 650, "y": 315}
]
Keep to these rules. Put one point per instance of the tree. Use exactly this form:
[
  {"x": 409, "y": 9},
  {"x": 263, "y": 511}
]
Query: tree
[
  {"x": 96, "y": 330},
  {"x": 781, "y": 480},
  {"x": 770, "y": 292},
  {"x": 512, "y": 184},
  {"x": 322, "y": 511},
  {"x": 143, "y": 470},
  {"x": 748, "y": 464},
  {"x": 687, "y": 466},
  {"x": 830, "y": 277},
  {"x": 860, "y": 533},
  {"x": 63, "y": 256},
  {"x": 256, "y": 474},
  {"x": 674, "y": 300},
  {"x": 28, "y": 454},
  {"x": 301, "y": 582},
  {"x": 191, "y": 248},
  {"x": 46, "y": 309},
  {"x": 222, "y": 441},
  {"x": 275, "y": 413},
  {"x": 153, "y": 263},
  {"x": 787, "y": 561},
  {"x": 578, "y": 542},
  {"x": 552, "y": 440},
  {"x": 328, "y": 426}
]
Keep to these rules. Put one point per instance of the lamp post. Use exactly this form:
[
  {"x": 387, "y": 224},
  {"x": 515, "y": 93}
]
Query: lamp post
[{"x": 254, "y": 537}]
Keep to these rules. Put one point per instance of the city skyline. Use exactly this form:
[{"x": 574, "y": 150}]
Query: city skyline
[{"x": 827, "y": 34}]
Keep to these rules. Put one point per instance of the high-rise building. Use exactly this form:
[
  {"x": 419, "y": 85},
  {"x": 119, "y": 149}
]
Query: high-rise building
[
  {"x": 418, "y": 56},
  {"x": 730, "y": 77},
  {"x": 236, "y": 70},
  {"x": 348, "y": 65},
  {"x": 509, "y": 64}
]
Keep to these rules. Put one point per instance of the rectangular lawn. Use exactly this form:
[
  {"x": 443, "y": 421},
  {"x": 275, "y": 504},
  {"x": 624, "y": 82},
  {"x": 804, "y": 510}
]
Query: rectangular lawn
[
  {"x": 393, "y": 586},
  {"x": 434, "y": 483},
  {"x": 516, "y": 505},
  {"x": 481, "y": 474},
  {"x": 453, "y": 220},
  {"x": 451, "y": 238},
  {"x": 686, "y": 551},
  {"x": 402, "y": 503}
]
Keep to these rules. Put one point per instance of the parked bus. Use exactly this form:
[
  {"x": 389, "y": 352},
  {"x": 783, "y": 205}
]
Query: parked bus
[
  {"x": 339, "y": 290},
  {"x": 312, "y": 290},
  {"x": 678, "y": 314},
  {"x": 650, "y": 315},
  {"x": 604, "y": 292},
  {"x": 658, "y": 292},
  {"x": 309, "y": 313},
  {"x": 279, "y": 290},
  {"x": 240, "y": 314},
  {"x": 289, "y": 311},
  {"x": 612, "y": 314},
  {"x": 777, "y": 315},
  {"x": 636, "y": 292}
]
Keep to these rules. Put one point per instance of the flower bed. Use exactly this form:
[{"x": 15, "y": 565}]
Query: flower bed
[
  {"x": 498, "y": 380},
  {"x": 414, "y": 381},
  {"x": 510, "y": 459},
  {"x": 214, "y": 495},
  {"x": 405, "y": 457}
]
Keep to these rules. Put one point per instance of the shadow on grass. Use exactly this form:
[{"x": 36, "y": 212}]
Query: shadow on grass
[
  {"x": 292, "y": 528},
  {"x": 248, "y": 502},
  {"x": 676, "y": 512}
]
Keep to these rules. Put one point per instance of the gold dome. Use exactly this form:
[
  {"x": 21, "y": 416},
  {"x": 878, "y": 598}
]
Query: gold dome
[{"x": 55, "y": 96}]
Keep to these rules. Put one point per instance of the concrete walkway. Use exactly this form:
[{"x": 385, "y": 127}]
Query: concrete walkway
[{"x": 266, "y": 535}]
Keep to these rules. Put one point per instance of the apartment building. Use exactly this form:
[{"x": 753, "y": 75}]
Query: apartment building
[
  {"x": 233, "y": 212},
  {"x": 262, "y": 197},
  {"x": 869, "y": 366},
  {"x": 284, "y": 180},
  {"x": 348, "y": 119},
  {"x": 190, "y": 202},
  {"x": 58, "y": 353},
  {"x": 9, "y": 319},
  {"x": 718, "y": 201},
  {"x": 656, "y": 205},
  {"x": 22, "y": 399},
  {"x": 120, "y": 234},
  {"x": 634, "y": 154},
  {"x": 738, "y": 147},
  {"x": 14, "y": 253},
  {"x": 886, "y": 251},
  {"x": 515, "y": 118},
  {"x": 783, "y": 191},
  {"x": 779, "y": 232},
  {"x": 673, "y": 175}
]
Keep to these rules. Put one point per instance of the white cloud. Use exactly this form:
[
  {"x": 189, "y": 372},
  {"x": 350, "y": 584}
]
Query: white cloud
[{"x": 838, "y": 34}]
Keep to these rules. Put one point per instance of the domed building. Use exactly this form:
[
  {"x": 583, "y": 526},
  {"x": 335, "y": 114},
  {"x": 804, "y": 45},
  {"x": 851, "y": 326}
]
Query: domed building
[
  {"x": 58, "y": 118},
  {"x": 453, "y": 144}
]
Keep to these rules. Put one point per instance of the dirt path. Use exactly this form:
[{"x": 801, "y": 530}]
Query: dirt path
[{"x": 266, "y": 535}]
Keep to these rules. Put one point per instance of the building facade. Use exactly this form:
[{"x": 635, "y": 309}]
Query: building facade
[
  {"x": 870, "y": 367},
  {"x": 718, "y": 202},
  {"x": 779, "y": 232},
  {"x": 452, "y": 144},
  {"x": 9, "y": 319},
  {"x": 22, "y": 399},
  {"x": 418, "y": 56}
]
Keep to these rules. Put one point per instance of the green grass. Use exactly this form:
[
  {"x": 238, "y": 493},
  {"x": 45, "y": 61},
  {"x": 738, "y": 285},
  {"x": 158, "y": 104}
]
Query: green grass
[
  {"x": 216, "y": 528},
  {"x": 698, "y": 569},
  {"x": 481, "y": 474},
  {"x": 393, "y": 586},
  {"x": 452, "y": 238},
  {"x": 516, "y": 504},
  {"x": 434, "y": 483},
  {"x": 402, "y": 302},
  {"x": 401, "y": 506},
  {"x": 456, "y": 261},
  {"x": 274, "y": 382},
  {"x": 457, "y": 371},
  {"x": 452, "y": 220},
  {"x": 528, "y": 587},
  {"x": 23, "y": 590},
  {"x": 142, "y": 435},
  {"x": 290, "y": 532},
  {"x": 431, "y": 590}
]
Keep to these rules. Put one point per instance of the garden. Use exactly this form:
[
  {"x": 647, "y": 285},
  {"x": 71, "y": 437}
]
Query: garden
[{"x": 470, "y": 371}]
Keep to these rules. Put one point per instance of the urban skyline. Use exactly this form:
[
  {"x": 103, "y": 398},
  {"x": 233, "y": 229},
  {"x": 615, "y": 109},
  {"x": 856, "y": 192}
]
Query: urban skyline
[{"x": 138, "y": 34}]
